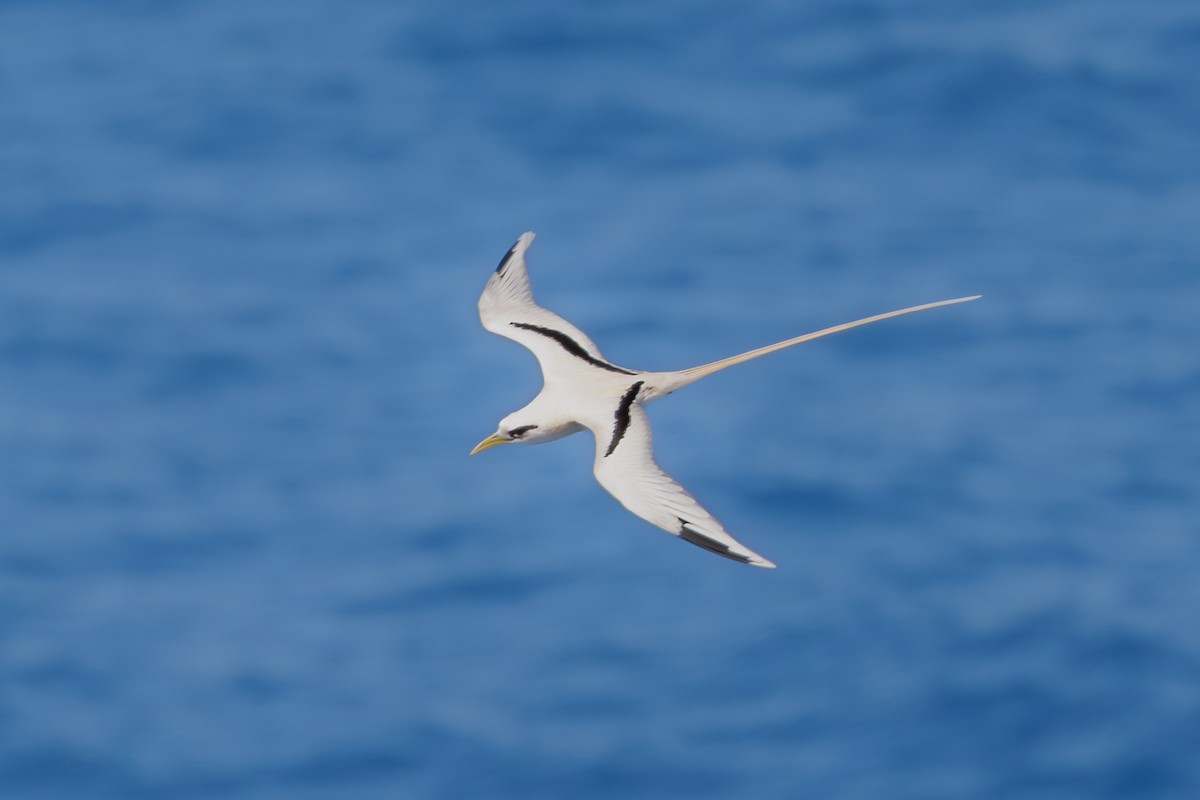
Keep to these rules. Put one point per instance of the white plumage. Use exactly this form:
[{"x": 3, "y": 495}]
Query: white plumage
[{"x": 581, "y": 389}]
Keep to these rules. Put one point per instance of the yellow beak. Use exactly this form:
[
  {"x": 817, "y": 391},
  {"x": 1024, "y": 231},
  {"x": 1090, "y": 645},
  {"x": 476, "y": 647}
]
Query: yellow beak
[{"x": 490, "y": 441}]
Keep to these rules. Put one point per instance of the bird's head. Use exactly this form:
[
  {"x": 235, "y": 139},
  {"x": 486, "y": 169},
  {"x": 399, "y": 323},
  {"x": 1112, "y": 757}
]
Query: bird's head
[
  {"x": 533, "y": 424},
  {"x": 511, "y": 430}
]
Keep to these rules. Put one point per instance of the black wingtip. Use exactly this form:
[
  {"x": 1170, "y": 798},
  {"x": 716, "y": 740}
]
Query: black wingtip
[
  {"x": 692, "y": 536},
  {"x": 507, "y": 257}
]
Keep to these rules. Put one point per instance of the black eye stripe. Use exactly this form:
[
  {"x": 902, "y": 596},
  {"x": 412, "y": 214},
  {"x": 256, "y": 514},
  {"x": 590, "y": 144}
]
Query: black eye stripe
[{"x": 521, "y": 431}]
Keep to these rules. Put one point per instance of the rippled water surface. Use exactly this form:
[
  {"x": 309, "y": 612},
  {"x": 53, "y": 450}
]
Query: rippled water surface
[{"x": 243, "y": 552}]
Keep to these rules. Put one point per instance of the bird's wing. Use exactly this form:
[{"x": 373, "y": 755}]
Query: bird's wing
[
  {"x": 507, "y": 308},
  {"x": 625, "y": 467}
]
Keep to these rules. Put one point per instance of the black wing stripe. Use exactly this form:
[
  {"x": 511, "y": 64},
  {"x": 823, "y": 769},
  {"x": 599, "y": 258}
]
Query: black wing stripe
[
  {"x": 622, "y": 417},
  {"x": 571, "y": 346},
  {"x": 711, "y": 545}
]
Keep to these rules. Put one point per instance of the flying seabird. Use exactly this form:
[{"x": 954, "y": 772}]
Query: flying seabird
[{"x": 584, "y": 390}]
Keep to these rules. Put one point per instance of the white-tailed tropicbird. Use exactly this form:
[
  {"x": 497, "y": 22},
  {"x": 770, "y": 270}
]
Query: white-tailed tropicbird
[{"x": 581, "y": 389}]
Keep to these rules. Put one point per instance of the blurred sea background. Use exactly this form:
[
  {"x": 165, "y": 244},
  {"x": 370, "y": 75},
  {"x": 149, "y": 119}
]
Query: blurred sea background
[{"x": 244, "y": 554}]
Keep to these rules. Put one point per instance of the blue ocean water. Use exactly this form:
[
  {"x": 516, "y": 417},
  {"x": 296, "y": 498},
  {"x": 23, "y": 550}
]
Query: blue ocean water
[{"x": 243, "y": 552}]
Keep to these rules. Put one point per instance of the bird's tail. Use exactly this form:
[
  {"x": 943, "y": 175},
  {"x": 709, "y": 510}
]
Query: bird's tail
[{"x": 683, "y": 377}]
